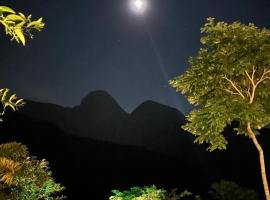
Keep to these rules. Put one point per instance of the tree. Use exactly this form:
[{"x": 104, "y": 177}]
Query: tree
[
  {"x": 226, "y": 190},
  {"x": 229, "y": 80}
]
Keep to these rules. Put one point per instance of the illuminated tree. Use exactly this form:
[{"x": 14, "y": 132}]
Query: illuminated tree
[{"x": 229, "y": 80}]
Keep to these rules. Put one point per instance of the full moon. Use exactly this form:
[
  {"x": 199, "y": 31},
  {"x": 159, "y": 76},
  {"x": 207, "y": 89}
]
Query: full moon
[{"x": 138, "y": 6}]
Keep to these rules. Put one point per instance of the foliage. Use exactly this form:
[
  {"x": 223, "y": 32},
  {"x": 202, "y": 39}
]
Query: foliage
[
  {"x": 11, "y": 101},
  {"x": 226, "y": 190},
  {"x": 139, "y": 193},
  {"x": 173, "y": 195},
  {"x": 150, "y": 193},
  {"x": 24, "y": 177},
  {"x": 17, "y": 25},
  {"x": 227, "y": 81},
  {"x": 13, "y": 151},
  {"x": 8, "y": 170},
  {"x": 223, "y": 190}
]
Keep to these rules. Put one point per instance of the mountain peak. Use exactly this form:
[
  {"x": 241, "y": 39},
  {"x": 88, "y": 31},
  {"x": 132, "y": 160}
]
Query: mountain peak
[
  {"x": 98, "y": 96},
  {"x": 154, "y": 109},
  {"x": 153, "y": 105}
]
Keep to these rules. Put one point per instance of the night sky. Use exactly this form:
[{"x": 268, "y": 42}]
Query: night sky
[{"x": 92, "y": 45}]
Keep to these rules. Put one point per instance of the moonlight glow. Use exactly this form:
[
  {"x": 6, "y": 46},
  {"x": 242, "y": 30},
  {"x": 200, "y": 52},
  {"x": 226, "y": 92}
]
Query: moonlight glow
[{"x": 138, "y": 6}]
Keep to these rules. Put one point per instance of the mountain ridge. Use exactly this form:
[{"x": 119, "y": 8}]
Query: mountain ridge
[{"x": 100, "y": 117}]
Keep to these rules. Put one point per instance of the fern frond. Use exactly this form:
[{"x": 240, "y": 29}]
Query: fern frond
[{"x": 12, "y": 101}]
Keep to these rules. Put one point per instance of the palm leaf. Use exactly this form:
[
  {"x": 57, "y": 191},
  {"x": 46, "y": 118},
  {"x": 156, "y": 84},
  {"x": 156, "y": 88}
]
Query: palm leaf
[{"x": 8, "y": 170}]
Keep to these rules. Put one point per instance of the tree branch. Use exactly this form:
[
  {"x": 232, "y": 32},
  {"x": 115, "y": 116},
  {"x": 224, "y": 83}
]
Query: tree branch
[
  {"x": 254, "y": 83},
  {"x": 234, "y": 86},
  {"x": 231, "y": 92},
  {"x": 264, "y": 76}
]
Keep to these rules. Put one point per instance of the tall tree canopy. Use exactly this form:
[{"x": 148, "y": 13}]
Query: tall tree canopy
[{"x": 229, "y": 80}]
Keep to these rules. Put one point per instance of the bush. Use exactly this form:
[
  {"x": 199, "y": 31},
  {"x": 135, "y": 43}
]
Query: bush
[
  {"x": 151, "y": 193},
  {"x": 226, "y": 190},
  {"x": 25, "y": 178},
  {"x": 139, "y": 193}
]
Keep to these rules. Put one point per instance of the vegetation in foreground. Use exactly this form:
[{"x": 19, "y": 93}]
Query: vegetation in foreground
[
  {"x": 22, "y": 177},
  {"x": 223, "y": 190}
]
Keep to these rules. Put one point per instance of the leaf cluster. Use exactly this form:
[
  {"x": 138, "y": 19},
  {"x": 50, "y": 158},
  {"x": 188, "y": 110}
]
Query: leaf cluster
[
  {"x": 151, "y": 193},
  {"x": 24, "y": 177},
  {"x": 139, "y": 193},
  {"x": 17, "y": 25},
  {"x": 9, "y": 101}
]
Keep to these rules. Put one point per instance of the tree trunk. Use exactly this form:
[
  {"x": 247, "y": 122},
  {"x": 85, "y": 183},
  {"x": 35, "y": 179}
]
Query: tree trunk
[{"x": 262, "y": 163}]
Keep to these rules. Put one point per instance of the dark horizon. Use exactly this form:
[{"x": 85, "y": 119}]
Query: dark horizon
[{"x": 103, "y": 91}]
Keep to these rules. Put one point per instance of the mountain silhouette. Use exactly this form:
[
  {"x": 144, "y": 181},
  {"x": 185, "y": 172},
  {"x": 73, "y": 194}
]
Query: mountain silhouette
[
  {"x": 151, "y": 125},
  {"x": 98, "y": 116},
  {"x": 158, "y": 127}
]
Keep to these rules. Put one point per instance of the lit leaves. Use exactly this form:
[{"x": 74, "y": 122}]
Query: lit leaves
[
  {"x": 217, "y": 81},
  {"x": 25, "y": 177},
  {"x": 207, "y": 124},
  {"x": 11, "y": 155},
  {"x": 139, "y": 193},
  {"x": 17, "y": 25},
  {"x": 14, "y": 151},
  {"x": 5, "y": 9},
  {"x": 8, "y": 170},
  {"x": 11, "y": 101}
]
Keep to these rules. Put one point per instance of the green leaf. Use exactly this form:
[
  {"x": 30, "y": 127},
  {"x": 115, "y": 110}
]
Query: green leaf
[
  {"x": 14, "y": 17},
  {"x": 33, "y": 24},
  {"x": 8, "y": 104},
  {"x": 19, "y": 102},
  {"x": 12, "y": 97},
  {"x": 19, "y": 33},
  {"x": 6, "y": 9},
  {"x": 4, "y": 94},
  {"x": 22, "y": 15}
]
